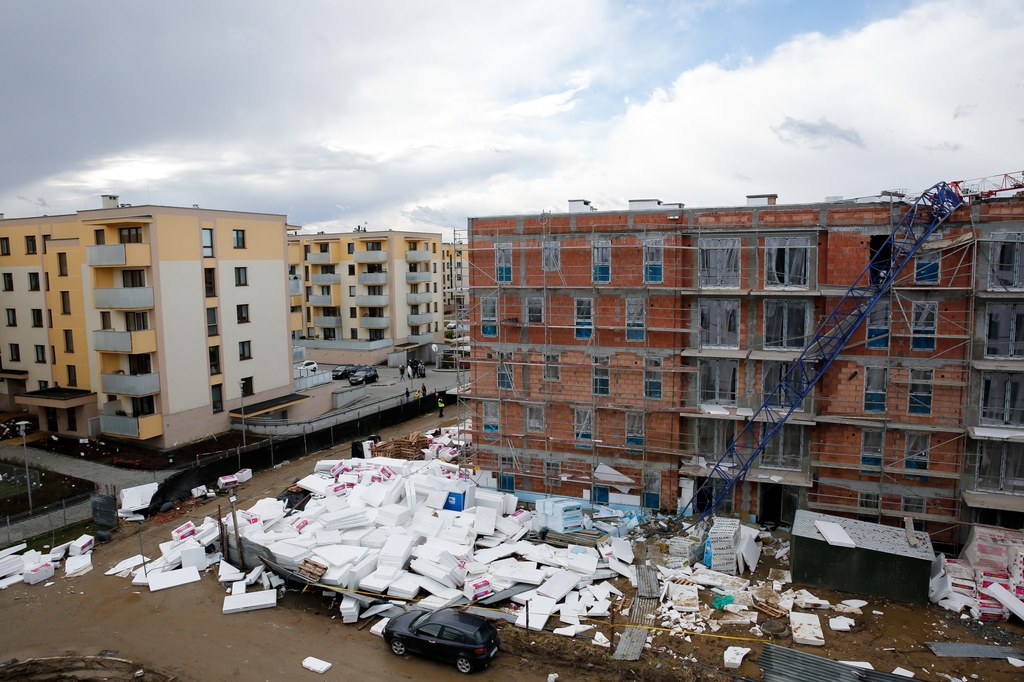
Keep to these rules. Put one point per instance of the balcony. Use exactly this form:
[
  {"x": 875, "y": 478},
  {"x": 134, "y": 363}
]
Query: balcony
[
  {"x": 417, "y": 256},
  {"x": 141, "y": 428},
  {"x": 118, "y": 255},
  {"x": 416, "y": 299},
  {"x": 370, "y": 256},
  {"x": 110, "y": 341},
  {"x": 373, "y": 278},
  {"x": 294, "y": 286},
  {"x": 319, "y": 257},
  {"x": 372, "y": 301},
  {"x": 422, "y": 338},
  {"x": 124, "y": 298},
  {"x": 326, "y": 321},
  {"x": 416, "y": 277},
  {"x": 420, "y": 318},
  {"x": 374, "y": 322},
  {"x": 325, "y": 300},
  {"x": 130, "y": 384},
  {"x": 326, "y": 279}
]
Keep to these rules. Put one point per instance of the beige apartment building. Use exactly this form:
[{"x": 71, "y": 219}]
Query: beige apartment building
[
  {"x": 148, "y": 323},
  {"x": 454, "y": 277},
  {"x": 369, "y": 297}
]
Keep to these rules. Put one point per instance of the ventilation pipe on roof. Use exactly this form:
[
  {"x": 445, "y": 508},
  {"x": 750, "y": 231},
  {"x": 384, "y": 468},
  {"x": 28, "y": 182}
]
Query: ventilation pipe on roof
[{"x": 109, "y": 200}]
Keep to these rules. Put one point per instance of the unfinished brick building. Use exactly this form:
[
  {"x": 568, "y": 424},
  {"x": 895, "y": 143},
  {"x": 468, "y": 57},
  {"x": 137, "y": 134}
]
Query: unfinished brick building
[{"x": 615, "y": 354}]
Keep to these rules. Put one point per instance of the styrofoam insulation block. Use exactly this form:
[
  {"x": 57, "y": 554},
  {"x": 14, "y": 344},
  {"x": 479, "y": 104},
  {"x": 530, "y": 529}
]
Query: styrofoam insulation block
[
  {"x": 126, "y": 564},
  {"x": 806, "y": 629},
  {"x": 484, "y": 520},
  {"x": 734, "y": 656},
  {"x": 137, "y": 497},
  {"x": 228, "y": 573},
  {"x": 315, "y": 664},
  {"x": 250, "y": 601},
  {"x": 168, "y": 579},
  {"x": 14, "y": 549},
  {"x": 254, "y": 575},
  {"x": 834, "y": 534},
  {"x": 339, "y": 555},
  {"x": 194, "y": 555},
  {"x": 903, "y": 672},
  {"x": 540, "y": 609},
  {"x": 238, "y": 587},
  {"x": 841, "y": 623},
  {"x": 558, "y": 585},
  {"x": 78, "y": 565},
  {"x": 10, "y": 580},
  {"x": 82, "y": 545},
  {"x": 38, "y": 573},
  {"x": 378, "y": 627}
]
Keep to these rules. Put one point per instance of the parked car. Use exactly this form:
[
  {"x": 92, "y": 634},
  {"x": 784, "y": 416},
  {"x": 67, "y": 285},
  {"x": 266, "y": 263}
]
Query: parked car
[
  {"x": 467, "y": 640},
  {"x": 306, "y": 367},
  {"x": 343, "y": 371},
  {"x": 363, "y": 375}
]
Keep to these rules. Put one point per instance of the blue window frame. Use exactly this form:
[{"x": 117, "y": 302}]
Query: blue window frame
[
  {"x": 923, "y": 325},
  {"x": 489, "y": 316},
  {"x": 878, "y": 325},
  {"x": 491, "y": 418},
  {"x": 602, "y": 260},
  {"x": 654, "y": 255},
  {"x": 601, "y": 375},
  {"x": 599, "y": 494},
  {"x": 918, "y": 447},
  {"x": 583, "y": 423},
  {"x": 875, "y": 380},
  {"x": 652, "y": 501},
  {"x": 636, "y": 319},
  {"x": 920, "y": 393},
  {"x": 503, "y": 263},
  {"x": 652, "y": 378},
  {"x": 507, "y": 483},
  {"x": 926, "y": 267},
  {"x": 584, "y": 318},
  {"x": 505, "y": 371},
  {"x": 871, "y": 450},
  {"x": 634, "y": 428}
]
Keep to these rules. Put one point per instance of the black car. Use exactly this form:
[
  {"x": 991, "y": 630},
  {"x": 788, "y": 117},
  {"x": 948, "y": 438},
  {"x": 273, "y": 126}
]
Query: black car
[
  {"x": 343, "y": 371},
  {"x": 468, "y": 641},
  {"x": 363, "y": 375}
]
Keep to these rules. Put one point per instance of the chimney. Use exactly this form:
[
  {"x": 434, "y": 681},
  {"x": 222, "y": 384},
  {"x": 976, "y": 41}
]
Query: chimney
[
  {"x": 109, "y": 200},
  {"x": 580, "y": 206},
  {"x": 762, "y": 199}
]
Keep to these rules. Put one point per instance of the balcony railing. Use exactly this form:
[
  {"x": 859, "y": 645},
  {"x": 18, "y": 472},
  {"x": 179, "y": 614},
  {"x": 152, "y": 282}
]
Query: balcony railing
[
  {"x": 118, "y": 255},
  {"x": 422, "y": 338},
  {"x": 319, "y": 257},
  {"x": 326, "y": 279},
  {"x": 377, "y": 301},
  {"x": 416, "y": 299},
  {"x": 324, "y": 300},
  {"x": 326, "y": 321},
  {"x": 142, "y": 428},
  {"x": 417, "y": 256},
  {"x": 124, "y": 298},
  {"x": 415, "y": 277},
  {"x": 371, "y": 256},
  {"x": 110, "y": 341},
  {"x": 130, "y": 384},
  {"x": 420, "y": 318},
  {"x": 374, "y": 322},
  {"x": 373, "y": 278}
]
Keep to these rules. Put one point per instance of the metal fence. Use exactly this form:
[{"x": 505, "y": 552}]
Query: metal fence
[{"x": 48, "y": 519}]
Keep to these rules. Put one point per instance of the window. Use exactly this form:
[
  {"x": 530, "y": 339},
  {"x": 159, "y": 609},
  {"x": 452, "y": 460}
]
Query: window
[
  {"x": 350, "y": 247},
  {"x": 872, "y": 444},
  {"x": 211, "y": 322},
  {"x": 133, "y": 278},
  {"x": 72, "y": 379},
  {"x": 130, "y": 235},
  {"x": 912, "y": 504},
  {"x": 552, "y": 368},
  {"x": 12, "y": 317},
  {"x": 505, "y": 370},
  {"x": 351, "y": 291},
  {"x": 923, "y": 329},
  {"x": 584, "y": 318},
  {"x": 238, "y": 239},
  {"x": 926, "y": 267},
  {"x": 918, "y": 445},
  {"x": 1005, "y": 271},
  {"x": 489, "y": 316},
  {"x": 786, "y": 261},
  {"x": 352, "y": 312},
  {"x": 370, "y": 246},
  {"x": 30, "y": 245},
  {"x": 535, "y": 418},
  {"x": 1002, "y": 398},
  {"x": 636, "y": 319},
  {"x": 247, "y": 386},
  {"x": 351, "y": 270},
  {"x": 920, "y": 392},
  {"x": 599, "y": 494},
  {"x": 535, "y": 310},
  {"x": 719, "y": 263},
  {"x": 713, "y": 439},
  {"x": 207, "y": 235},
  {"x": 69, "y": 341},
  {"x": 1005, "y": 330},
  {"x": 878, "y": 325},
  {"x": 552, "y": 470},
  {"x": 353, "y": 334},
  {"x": 502, "y": 263},
  {"x": 217, "y": 398},
  {"x": 99, "y": 236},
  {"x": 583, "y": 426},
  {"x": 33, "y": 281},
  {"x": 210, "y": 282},
  {"x": 5, "y": 246},
  {"x": 14, "y": 352},
  {"x": 717, "y": 381},
  {"x": 654, "y": 261},
  {"x": 136, "y": 321},
  {"x": 490, "y": 417},
  {"x": 785, "y": 324},
  {"x": 875, "y": 379},
  {"x": 140, "y": 364},
  {"x": 9, "y": 281},
  {"x": 602, "y": 259},
  {"x": 1001, "y": 467},
  {"x": 62, "y": 264},
  {"x": 507, "y": 477},
  {"x": 40, "y": 354},
  {"x": 242, "y": 313},
  {"x": 600, "y": 375},
  {"x": 652, "y": 378},
  {"x": 330, "y": 334},
  {"x": 214, "y": 360},
  {"x": 634, "y": 428},
  {"x": 551, "y": 260},
  {"x": 719, "y": 323},
  {"x": 65, "y": 303},
  {"x": 376, "y": 335},
  {"x": 37, "y": 317},
  {"x": 780, "y": 389},
  {"x": 785, "y": 450},
  {"x": 105, "y": 320},
  {"x": 241, "y": 277}
]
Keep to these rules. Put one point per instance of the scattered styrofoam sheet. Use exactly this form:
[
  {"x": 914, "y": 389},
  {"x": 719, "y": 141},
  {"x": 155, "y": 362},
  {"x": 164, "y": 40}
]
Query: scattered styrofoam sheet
[
  {"x": 806, "y": 629},
  {"x": 194, "y": 555},
  {"x": 859, "y": 664},
  {"x": 83, "y": 545},
  {"x": 378, "y": 627},
  {"x": 238, "y": 587},
  {"x": 168, "y": 579},
  {"x": 601, "y": 640},
  {"x": 734, "y": 656},
  {"x": 10, "y": 580},
  {"x": 539, "y": 610},
  {"x": 228, "y": 573},
  {"x": 76, "y": 566},
  {"x": 13, "y": 549},
  {"x": 834, "y": 534},
  {"x": 841, "y": 623},
  {"x": 623, "y": 550},
  {"x": 127, "y": 564},
  {"x": 558, "y": 585},
  {"x": 138, "y": 497},
  {"x": 1006, "y": 598},
  {"x": 1015, "y": 662},
  {"x": 315, "y": 664},
  {"x": 903, "y": 672},
  {"x": 250, "y": 601}
]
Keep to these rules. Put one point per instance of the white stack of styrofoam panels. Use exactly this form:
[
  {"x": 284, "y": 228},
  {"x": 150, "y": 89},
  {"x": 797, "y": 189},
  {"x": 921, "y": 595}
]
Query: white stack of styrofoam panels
[{"x": 249, "y": 601}]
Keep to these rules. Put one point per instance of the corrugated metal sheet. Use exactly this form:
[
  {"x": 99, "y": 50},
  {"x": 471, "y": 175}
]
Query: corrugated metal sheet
[
  {"x": 780, "y": 664},
  {"x": 631, "y": 643},
  {"x": 647, "y": 582},
  {"x": 969, "y": 650}
]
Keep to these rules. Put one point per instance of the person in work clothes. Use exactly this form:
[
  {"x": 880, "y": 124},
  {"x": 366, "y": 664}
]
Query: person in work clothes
[
  {"x": 401, "y": 373},
  {"x": 440, "y": 407}
]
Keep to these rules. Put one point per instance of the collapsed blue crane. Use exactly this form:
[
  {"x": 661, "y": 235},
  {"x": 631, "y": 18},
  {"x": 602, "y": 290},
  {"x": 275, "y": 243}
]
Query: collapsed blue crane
[{"x": 926, "y": 213}]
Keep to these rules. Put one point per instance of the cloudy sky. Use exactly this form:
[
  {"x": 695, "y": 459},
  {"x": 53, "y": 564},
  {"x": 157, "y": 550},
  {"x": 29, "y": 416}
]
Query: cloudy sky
[{"x": 417, "y": 115}]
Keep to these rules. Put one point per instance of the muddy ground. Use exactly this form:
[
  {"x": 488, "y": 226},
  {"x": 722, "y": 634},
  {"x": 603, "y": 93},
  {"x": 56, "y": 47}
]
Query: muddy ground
[{"x": 181, "y": 633}]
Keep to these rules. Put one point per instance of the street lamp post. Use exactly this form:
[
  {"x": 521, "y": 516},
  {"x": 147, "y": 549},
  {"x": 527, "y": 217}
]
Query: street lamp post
[
  {"x": 241, "y": 385},
  {"x": 23, "y": 425}
]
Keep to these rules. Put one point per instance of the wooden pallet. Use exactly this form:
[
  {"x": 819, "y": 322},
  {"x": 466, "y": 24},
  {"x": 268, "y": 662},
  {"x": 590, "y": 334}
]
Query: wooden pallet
[
  {"x": 626, "y": 603},
  {"x": 311, "y": 570},
  {"x": 770, "y": 610}
]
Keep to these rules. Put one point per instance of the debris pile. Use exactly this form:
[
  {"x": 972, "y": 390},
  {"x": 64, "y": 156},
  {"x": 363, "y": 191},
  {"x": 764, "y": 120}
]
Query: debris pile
[
  {"x": 33, "y": 567},
  {"x": 987, "y": 581}
]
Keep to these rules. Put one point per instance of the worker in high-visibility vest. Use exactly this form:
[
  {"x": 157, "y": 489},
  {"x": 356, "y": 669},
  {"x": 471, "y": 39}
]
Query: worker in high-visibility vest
[{"x": 440, "y": 407}]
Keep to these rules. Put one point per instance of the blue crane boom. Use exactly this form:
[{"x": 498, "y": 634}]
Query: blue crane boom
[{"x": 925, "y": 214}]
